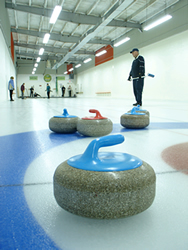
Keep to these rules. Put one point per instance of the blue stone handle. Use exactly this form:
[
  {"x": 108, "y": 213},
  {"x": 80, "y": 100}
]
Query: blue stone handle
[
  {"x": 93, "y": 160},
  {"x": 91, "y": 152}
]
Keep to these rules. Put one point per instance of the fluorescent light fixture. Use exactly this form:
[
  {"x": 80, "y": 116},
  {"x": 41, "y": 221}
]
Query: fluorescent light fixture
[
  {"x": 161, "y": 20},
  {"x": 101, "y": 53},
  {"x": 38, "y": 59},
  {"x": 71, "y": 69},
  {"x": 65, "y": 72},
  {"x": 87, "y": 60},
  {"x": 46, "y": 38},
  {"x": 78, "y": 65},
  {"x": 34, "y": 69},
  {"x": 41, "y": 51},
  {"x": 36, "y": 65},
  {"x": 121, "y": 42},
  {"x": 55, "y": 14}
]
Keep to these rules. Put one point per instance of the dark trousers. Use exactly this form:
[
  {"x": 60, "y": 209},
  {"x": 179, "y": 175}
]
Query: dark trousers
[
  {"x": 48, "y": 93},
  {"x": 138, "y": 85},
  {"x": 11, "y": 92}
]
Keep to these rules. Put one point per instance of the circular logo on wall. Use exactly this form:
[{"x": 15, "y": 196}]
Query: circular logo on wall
[{"x": 47, "y": 78}]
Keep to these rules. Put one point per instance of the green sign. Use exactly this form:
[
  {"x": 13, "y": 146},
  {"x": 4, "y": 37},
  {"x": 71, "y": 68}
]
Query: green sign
[
  {"x": 33, "y": 78},
  {"x": 60, "y": 78},
  {"x": 47, "y": 78}
]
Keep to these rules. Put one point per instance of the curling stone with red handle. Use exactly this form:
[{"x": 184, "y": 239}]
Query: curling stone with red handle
[
  {"x": 94, "y": 126},
  {"x": 104, "y": 185},
  {"x": 64, "y": 123}
]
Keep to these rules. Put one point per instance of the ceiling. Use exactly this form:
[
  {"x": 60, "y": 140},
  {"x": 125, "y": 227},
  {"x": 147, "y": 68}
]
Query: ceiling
[{"x": 82, "y": 28}]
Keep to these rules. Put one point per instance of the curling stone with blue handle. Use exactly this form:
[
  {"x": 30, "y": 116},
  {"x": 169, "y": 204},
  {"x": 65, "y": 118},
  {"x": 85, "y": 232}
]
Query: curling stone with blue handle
[
  {"x": 137, "y": 109},
  {"x": 95, "y": 126},
  {"x": 104, "y": 185},
  {"x": 134, "y": 119},
  {"x": 64, "y": 123}
]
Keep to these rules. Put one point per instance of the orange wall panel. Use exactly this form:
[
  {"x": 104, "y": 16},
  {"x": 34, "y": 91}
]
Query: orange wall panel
[
  {"x": 12, "y": 47},
  {"x": 109, "y": 55}
]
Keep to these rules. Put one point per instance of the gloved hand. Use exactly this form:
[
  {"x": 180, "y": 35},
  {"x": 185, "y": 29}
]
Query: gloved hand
[{"x": 129, "y": 78}]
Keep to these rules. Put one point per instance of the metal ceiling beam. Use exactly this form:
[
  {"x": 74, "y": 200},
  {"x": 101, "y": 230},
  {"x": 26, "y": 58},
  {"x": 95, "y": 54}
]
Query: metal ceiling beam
[
  {"x": 58, "y": 37},
  {"x": 44, "y": 57},
  {"x": 51, "y": 49},
  {"x": 106, "y": 19},
  {"x": 70, "y": 17}
]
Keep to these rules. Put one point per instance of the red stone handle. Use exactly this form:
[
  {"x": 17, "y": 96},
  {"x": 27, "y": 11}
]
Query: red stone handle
[{"x": 98, "y": 115}]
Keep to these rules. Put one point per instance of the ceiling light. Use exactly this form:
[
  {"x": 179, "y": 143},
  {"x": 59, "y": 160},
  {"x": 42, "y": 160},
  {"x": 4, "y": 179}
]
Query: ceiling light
[
  {"x": 121, "y": 42},
  {"x": 65, "y": 72},
  {"x": 87, "y": 60},
  {"x": 33, "y": 72},
  {"x": 55, "y": 14},
  {"x": 36, "y": 65},
  {"x": 38, "y": 59},
  {"x": 101, "y": 53},
  {"x": 34, "y": 69},
  {"x": 78, "y": 65},
  {"x": 46, "y": 38},
  {"x": 41, "y": 51},
  {"x": 71, "y": 69},
  {"x": 161, "y": 20}
]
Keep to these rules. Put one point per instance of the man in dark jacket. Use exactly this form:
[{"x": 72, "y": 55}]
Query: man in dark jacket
[{"x": 137, "y": 74}]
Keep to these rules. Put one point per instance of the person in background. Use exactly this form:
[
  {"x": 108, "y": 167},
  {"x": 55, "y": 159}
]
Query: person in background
[
  {"x": 48, "y": 89},
  {"x": 63, "y": 90},
  {"x": 22, "y": 90},
  {"x": 36, "y": 94},
  {"x": 70, "y": 90},
  {"x": 11, "y": 87},
  {"x": 31, "y": 91},
  {"x": 137, "y": 73}
]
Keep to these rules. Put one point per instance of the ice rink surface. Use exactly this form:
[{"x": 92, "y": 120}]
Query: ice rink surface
[{"x": 30, "y": 153}]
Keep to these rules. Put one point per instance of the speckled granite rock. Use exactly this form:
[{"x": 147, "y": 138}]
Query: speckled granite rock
[
  {"x": 134, "y": 121},
  {"x": 63, "y": 125},
  {"x": 94, "y": 126},
  {"x": 104, "y": 195}
]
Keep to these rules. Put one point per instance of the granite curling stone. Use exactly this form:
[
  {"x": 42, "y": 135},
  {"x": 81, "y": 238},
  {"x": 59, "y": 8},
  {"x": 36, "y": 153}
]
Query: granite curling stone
[
  {"x": 138, "y": 110},
  {"x": 64, "y": 123},
  {"x": 94, "y": 126},
  {"x": 104, "y": 185},
  {"x": 134, "y": 119}
]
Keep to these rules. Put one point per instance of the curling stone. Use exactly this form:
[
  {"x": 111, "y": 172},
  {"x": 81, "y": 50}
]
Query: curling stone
[
  {"x": 94, "y": 126},
  {"x": 134, "y": 119},
  {"x": 64, "y": 123},
  {"x": 104, "y": 185},
  {"x": 138, "y": 110}
]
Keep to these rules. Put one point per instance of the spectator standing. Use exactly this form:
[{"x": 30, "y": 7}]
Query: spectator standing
[
  {"x": 22, "y": 90},
  {"x": 11, "y": 87},
  {"x": 63, "y": 90}
]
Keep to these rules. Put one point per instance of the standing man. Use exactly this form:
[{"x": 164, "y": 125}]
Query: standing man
[
  {"x": 11, "y": 87},
  {"x": 137, "y": 73},
  {"x": 63, "y": 90},
  {"x": 48, "y": 89},
  {"x": 23, "y": 89},
  {"x": 70, "y": 90}
]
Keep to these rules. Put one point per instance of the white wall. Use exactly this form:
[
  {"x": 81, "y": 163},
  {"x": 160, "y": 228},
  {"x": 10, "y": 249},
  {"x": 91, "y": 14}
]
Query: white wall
[
  {"x": 40, "y": 85},
  {"x": 167, "y": 60},
  {"x": 7, "y": 69}
]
